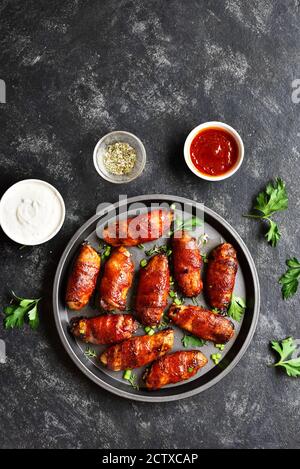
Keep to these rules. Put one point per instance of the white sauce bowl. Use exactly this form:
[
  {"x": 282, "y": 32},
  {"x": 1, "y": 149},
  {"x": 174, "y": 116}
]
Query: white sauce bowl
[{"x": 31, "y": 212}]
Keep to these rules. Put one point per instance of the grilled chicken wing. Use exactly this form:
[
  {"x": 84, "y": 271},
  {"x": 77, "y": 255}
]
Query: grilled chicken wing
[
  {"x": 133, "y": 231},
  {"x": 220, "y": 277},
  {"x": 202, "y": 323},
  {"x": 138, "y": 351},
  {"x": 116, "y": 280},
  {"x": 174, "y": 368},
  {"x": 187, "y": 264},
  {"x": 153, "y": 290},
  {"x": 83, "y": 277},
  {"x": 105, "y": 329}
]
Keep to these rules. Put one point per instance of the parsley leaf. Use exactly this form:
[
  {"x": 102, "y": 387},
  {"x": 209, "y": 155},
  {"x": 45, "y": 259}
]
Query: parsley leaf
[
  {"x": 21, "y": 309},
  {"x": 237, "y": 308},
  {"x": 290, "y": 279},
  {"x": 33, "y": 317},
  {"x": 192, "y": 341},
  {"x": 273, "y": 199},
  {"x": 273, "y": 235},
  {"x": 268, "y": 202},
  {"x": 286, "y": 349}
]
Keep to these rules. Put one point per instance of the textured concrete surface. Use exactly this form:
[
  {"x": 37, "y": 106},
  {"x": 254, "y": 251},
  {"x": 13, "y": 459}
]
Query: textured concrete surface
[{"x": 77, "y": 69}]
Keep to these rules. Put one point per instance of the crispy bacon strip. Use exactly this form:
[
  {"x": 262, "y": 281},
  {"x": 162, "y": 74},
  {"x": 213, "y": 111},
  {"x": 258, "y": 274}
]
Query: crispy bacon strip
[
  {"x": 116, "y": 280},
  {"x": 141, "y": 229},
  {"x": 83, "y": 277},
  {"x": 187, "y": 263},
  {"x": 220, "y": 278},
  {"x": 153, "y": 290},
  {"x": 138, "y": 351},
  {"x": 202, "y": 323},
  {"x": 173, "y": 368},
  {"x": 105, "y": 329}
]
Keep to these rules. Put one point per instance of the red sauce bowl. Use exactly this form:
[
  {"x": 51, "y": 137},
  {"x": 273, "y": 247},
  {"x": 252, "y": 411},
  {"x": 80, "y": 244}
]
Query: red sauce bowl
[{"x": 214, "y": 151}]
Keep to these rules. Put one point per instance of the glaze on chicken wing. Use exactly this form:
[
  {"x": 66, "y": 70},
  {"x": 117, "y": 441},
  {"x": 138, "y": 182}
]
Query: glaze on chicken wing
[
  {"x": 138, "y": 351},
  {"x": 202, "y": 323},
  {"x": 153, "y": 290},
  {"x": 116, "y": 280},
  {"x": 136, "y": 230},
  {"x": 83, "y": 278},
  {"x": 220, "y": 278},
  {"x": 187, "y": 264},
  {"x": 174, "y": 368},
  {"x": 105, "y": 329}
]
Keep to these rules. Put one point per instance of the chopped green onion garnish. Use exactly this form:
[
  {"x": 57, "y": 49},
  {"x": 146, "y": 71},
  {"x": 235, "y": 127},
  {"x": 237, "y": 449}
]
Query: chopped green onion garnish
[
  {"x": 220, "y": 346},
  {"x": 143, "y": 262},
  {"x": 127, "y": 375},
  {"x": 216, "y": 358},
  {"x": 177, "y": 301}
]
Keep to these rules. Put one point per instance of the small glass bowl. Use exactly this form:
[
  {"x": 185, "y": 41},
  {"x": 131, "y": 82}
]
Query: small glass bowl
[{"x": 123, "y": 137}]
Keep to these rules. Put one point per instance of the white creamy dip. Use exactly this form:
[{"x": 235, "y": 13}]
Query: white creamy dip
[{"x": 31, "y": 212}]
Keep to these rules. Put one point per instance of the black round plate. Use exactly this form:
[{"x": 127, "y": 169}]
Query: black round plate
[{"x": 247, "y": 286}]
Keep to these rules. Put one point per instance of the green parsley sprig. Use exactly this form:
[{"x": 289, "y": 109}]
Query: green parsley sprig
[
  {"x": 192, "y": 341},
  {"x": 19, "y": 310},
  {"x": 237, "y": 308},
  {"x": 290, "y": 280},
  {"x": 268, "y": 202},
  {"x": 286, "y": 349}
]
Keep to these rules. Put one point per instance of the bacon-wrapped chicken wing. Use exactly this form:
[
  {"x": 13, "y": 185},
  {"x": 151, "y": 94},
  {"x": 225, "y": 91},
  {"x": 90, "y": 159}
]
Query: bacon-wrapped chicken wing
[
  {"x": 117, "y": 279},
  {"x": 140, "y": 229},
  {"x": 220, "y": 277},
  {"x": 138, "y": 351},
  {"x": 174, "y": 368},
  {"x": 83, "y": 278},
  {"x": 187, "y": 263},
  {"x": 202, "y": 323},
  {"x": 153, "y": 290},
  {"x": 105, "y": 329}
]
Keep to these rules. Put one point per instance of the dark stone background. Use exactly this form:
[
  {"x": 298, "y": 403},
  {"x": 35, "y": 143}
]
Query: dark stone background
[{"x": 77, "y": 69}]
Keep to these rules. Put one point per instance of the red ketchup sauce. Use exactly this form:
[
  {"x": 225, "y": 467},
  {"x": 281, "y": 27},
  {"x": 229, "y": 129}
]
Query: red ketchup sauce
[{"x": 214, "y": 151}]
